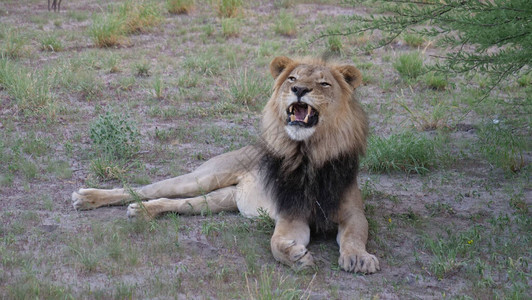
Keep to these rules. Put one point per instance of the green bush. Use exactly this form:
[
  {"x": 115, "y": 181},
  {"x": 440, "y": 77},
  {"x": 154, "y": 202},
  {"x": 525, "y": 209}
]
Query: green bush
[{"x": 114, "y": 136}]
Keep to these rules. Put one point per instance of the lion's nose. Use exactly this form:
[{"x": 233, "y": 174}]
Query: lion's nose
[{"x": 300, "y": 91}]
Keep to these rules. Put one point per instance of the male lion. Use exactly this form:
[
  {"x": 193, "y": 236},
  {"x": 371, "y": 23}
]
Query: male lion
[{"x": 303, "y": 172}]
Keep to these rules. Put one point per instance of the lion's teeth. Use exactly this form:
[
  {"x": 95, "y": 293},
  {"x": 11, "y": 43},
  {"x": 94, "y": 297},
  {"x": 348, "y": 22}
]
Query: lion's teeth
[
  {"x": 292, "y": 118},
  {"x": 309, "y": 109},
  {"x": 290, "y": 109},
  {"x": 306, "y": 119}
]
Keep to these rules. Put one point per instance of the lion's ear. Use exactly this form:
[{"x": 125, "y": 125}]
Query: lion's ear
[
  {"x": 278, "y": 65},
  {"x": 351, "y": 75}
]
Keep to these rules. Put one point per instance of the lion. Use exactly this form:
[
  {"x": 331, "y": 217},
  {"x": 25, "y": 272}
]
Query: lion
[{"x": 302, "y": 172}]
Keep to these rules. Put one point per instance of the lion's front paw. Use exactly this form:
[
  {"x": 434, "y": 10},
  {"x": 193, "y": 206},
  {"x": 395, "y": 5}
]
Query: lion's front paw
[
  {"x": 301, "y": 258},
  {"x": 138, "y": 210},
  {"x": 362, "y": 262},
  {"x": 83, "y": 199}
]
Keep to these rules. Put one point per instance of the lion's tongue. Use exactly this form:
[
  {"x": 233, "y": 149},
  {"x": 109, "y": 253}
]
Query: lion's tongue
[{"x": 300, "y": 112}]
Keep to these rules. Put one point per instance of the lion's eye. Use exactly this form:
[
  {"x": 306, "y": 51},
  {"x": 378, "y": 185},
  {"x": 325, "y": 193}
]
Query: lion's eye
[
  {"x": 291, "y": 78},
  {"x": 325, "y": 84}
]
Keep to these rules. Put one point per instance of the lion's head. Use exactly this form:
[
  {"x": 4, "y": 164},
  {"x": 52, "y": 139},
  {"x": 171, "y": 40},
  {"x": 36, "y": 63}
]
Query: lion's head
[{"x": 313, "y": 110}]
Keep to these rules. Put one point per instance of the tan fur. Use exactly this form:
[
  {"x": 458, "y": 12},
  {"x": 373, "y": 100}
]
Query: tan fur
[{"x": 232, "y": 181}]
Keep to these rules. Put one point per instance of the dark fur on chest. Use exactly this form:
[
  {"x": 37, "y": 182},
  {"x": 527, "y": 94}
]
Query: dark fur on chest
[{"x": 308, "y": 192}]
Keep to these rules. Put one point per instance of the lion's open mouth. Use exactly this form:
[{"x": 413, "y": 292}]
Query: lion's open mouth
[{"x": 302, "y": 114}]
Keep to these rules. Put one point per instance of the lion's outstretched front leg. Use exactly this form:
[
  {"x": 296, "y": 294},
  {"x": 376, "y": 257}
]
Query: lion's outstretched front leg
[
  {"x": 353, "y": 235},
  {"x": 93, "y": 198},
  {"x": 289, "y": 242}
]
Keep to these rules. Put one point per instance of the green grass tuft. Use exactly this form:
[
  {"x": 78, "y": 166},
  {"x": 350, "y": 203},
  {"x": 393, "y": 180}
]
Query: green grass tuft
[
  {"x": 285, "y": 24},
  {"x": 413, "y": 40},
  {"x": 407, "y": 152},
  {"x": 107, "y": 31},
  {"x": 503, "y": 147},
  {"x": 139, "y": 16},
  {"x": 248, "y": 89},
  {"x": 230, "y": 27},
  {"x": 409, "y": 65},
  {"x": 180, "y": 6},
  {"x": 29, "y": 90},
  {"x": 436, "y": 81},
  {"x": 51, "y": 43},
  {"x": 229, "y": 8},
  {"x": 12, "y": 43}
]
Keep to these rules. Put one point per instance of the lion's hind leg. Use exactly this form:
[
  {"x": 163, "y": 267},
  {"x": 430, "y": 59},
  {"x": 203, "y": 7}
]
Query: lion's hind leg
[{"x": 223, "y": 199}]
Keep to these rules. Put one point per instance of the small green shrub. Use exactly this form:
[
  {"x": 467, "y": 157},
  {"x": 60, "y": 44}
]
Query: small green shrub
[
  {"x": 51, "y": 43},
  {"x": 230, "y": 27},
  {"x": 180, "y": 6},
  {"x": 228, "y": 8},
  {"x": 285, "y": 24},
  {"x": 409, "y": 65},
  {"x": 407, "y": 152},
  {"x": 114, "y": 136}
]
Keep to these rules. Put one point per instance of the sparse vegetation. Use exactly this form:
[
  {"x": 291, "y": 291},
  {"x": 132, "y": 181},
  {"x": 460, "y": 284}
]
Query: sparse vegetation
[{"x": 125, "y": 93}]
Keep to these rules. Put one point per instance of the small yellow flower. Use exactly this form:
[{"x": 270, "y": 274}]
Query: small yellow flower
[
  {"x": 470, "y": 242},
  {"x": 389, "y": 220}
]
